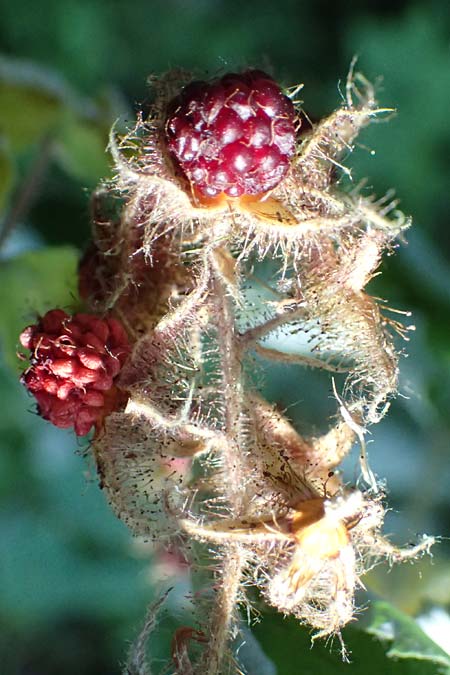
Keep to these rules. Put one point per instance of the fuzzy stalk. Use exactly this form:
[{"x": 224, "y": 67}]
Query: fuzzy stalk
[
  {"x": 223, "y": 612},
  {"x": 233, "y": 558},
  {"x": 233, "y": 457}
]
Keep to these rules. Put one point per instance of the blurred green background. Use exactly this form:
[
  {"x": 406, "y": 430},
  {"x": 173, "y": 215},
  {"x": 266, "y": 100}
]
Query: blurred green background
[{"x": 73, "y": 585}]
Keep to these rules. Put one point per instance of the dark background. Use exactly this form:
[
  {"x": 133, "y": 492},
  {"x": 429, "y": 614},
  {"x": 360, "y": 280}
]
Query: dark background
[{"x": 73, "y": 585}]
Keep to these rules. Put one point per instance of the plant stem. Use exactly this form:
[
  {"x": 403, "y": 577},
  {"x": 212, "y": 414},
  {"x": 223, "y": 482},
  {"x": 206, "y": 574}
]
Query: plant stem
[
  {"x": 223, "y": 612},
  {"x": 230, "y": 366},
  {"x": 233, "y": 470}
]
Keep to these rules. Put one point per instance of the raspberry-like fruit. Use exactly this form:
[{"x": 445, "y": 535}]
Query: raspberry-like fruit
[
  {"x": 74, "y": 361},
  {"x": 234, "y": 136}
]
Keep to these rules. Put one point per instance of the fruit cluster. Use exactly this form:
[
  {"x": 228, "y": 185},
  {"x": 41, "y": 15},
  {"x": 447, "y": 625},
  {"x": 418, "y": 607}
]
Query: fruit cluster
[
  {"x": 208, "y": 268},
  {"x": 74, "y": 361}
]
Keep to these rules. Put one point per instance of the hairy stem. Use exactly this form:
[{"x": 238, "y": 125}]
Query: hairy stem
[
  {"x": 233, "y": 457},
  {"x": 137, "y": 657},
  {"x": 223, "y": 612},
  {"x": 233, "y": 467}
]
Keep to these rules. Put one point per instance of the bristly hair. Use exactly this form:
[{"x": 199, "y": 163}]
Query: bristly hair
[{"x": 197, "y": 453}]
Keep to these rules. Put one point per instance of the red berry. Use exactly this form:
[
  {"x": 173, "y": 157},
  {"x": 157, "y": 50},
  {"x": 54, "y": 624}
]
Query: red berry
[
  {"x": 74, "y": 360},
  {"x": 234, "y": 136}
]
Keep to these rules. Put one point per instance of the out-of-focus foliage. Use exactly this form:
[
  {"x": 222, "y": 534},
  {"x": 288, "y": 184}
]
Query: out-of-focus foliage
[
  {"x": 38, "y": 108},
  {"x": 404, "y": 637},
  {"x": 45, "y": 278},
  {"x": 396, "y": 636},
  {"x": 73, "y": 584},
  {"x": 6, "y": 174}
]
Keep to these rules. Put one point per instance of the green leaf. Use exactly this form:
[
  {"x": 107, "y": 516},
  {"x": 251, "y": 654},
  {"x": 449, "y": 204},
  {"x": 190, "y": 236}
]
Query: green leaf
[
  {"x": 31, "y": 284},
  {"x": 407, "y": 639},
  {"x": 81, "y": 149},
  {"x": 31, "y": 102},
  {"x": 35, "y": 103},
  {"x": 410, "y": 150},
  {"x": 7, "y": 175},
  {"x": 251, "y": 656},
  {"x": 289, "y": 646}
]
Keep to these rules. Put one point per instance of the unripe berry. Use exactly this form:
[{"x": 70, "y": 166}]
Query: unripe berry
[
  {"x": 74, "y": 361},
  {"x": 234, "y": 136}
]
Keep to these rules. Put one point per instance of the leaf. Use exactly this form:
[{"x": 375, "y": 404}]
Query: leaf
[
  {"x": 31, "y": 284},
  {"x": 51, "y": 566},
  {"x": 7, "y": 175},
  {"x": 251, "y": 656},
  {"x": 412, "y": 150},
  {"x": 81, "y": 148},
  {"x": 31, "y": 102},
  {"x": 289, "y": 646},
  {"x": 408, "y": 641},
  {"x": 34, "y": 102}
]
